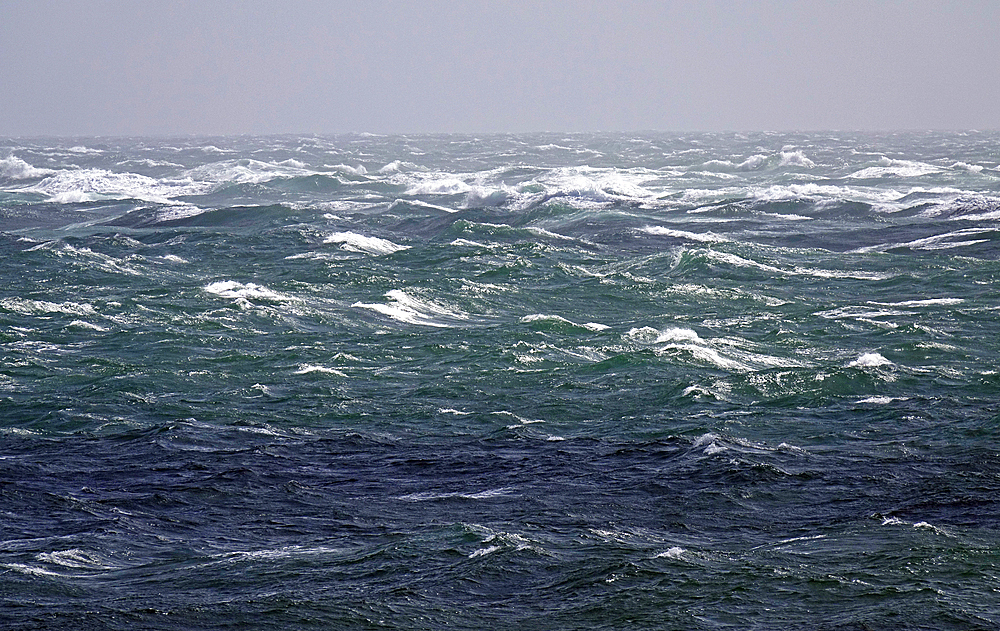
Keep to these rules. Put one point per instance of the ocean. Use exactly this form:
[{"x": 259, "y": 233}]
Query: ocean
[{"x": 530, "y": 381}]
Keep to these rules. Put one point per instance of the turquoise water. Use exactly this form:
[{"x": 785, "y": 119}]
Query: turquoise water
[{"x": 589, "y": 381}]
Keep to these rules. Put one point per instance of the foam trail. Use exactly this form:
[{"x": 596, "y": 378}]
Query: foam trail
[{"x": 405, "y": 308}]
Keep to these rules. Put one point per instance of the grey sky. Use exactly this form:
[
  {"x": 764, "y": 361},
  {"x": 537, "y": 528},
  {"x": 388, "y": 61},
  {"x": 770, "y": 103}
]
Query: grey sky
[{"x": 112, "y": 67}]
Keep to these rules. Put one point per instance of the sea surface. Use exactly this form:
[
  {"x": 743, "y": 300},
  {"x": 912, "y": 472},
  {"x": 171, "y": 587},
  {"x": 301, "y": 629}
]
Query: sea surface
[{"x": 538, "y": 381}]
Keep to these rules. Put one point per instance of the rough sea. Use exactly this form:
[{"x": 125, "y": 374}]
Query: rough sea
[{"x": 538, "y": 381}]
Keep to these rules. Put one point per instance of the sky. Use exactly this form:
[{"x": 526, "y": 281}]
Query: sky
[{"x": 221, "y": 67}]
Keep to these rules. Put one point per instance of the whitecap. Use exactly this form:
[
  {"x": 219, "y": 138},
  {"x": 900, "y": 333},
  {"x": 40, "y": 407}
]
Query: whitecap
[
  {"x": 869, "y": 360},
  {"x": 14, "y": 168},
  {"x": 346, "y": 168},
  {"x": 895, "y": 168},
  {"x": 233, "y": 289},
  {"x": 244, "y": 171},
  {"x": 80, "y": 324},
  {"x": 29, "y": 570},
  {"x": 439, "y": 186},
  {"x": 421, "y": 204},
  {"x": 483, "y": 552},
  {"x": 796, "y": 159},
  {"x": 881, "y": 400},
  {"x": 706, "y": 237},
  {"x": 964, "y": 166},
  {"x": 397, "y": 166},
  {"x": 945, "y": 241},
  {"x": 406, "y": 308},
  {"x": 540, "y": 317},
  {"x": 354, "y": 242},
  {"x": 34, "y": 307},
  {"x": 96, "y": 184},
  {"x": 922, "y": 303},
  {"x": 78, "y": 559},
  {"x": 675, "y": 552},
  {"x": 305, "y": 369},
  {"x": 482, "y": 197},
  {"x": 467, "y": 244}
]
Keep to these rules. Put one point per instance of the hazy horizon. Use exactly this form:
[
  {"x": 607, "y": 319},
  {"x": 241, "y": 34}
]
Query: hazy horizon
[{"x": 183, "y": 68}]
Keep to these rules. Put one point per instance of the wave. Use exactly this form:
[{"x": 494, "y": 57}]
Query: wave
[
  {"x": 704, "y": 237},
  {"x": 354, "y": 242},
  {"x": 247, "y": 171},
  {"x": 730, "y": 354},
  {"x": 886, "y": 167},
  {"x": 555, "y": 321},
  {"x": 869, "y": 360},
  {"x": 247, "y": 291},
  {"x": 788, "y": 157},
  {"x": 14, "y": 168},
  {"x": 405, "y": 308},
  {"x": 25, "y": 306},
  {"x": 944, "y": 241},
  {"x": 88, "y": 185}
]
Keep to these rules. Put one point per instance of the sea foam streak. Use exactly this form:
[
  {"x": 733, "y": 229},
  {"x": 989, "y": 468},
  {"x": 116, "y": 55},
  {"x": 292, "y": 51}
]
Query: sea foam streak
[{"x": 411, "y": 310}]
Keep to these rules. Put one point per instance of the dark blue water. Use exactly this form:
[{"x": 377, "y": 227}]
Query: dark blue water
[{"x": 534, "y": 381}]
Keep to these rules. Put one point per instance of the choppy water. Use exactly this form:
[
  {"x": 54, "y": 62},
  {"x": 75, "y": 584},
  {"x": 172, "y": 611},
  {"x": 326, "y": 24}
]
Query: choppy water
[{"x": 535, "y": 381}]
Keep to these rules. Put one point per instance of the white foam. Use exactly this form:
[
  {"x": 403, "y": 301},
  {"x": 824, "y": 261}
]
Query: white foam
[
  {"x": 707, "y": 237},
  {"x": 486, "y": 197},
  {"x": 675, "y": 552},
  {"x": 78, "y": 559},
  {"x": 29, "y": 570},
  {"x": 35, "y": 307},
  {"x": 396, "y": 166},
  {"x": 483, "y": 552},
  {"x": 649, "y": 335},
  {"x": 467, "y": 244},
  {"x": 478, "y": 495},
  {"x": 881, "y": 400},
  {"x": 84, "y": 150},
  {"x": 80, "y": 324},
  {"x": 895, "y": 168},
  {"x": 948, "y": 240},
  {"x": 421, "y": 204},
  {"x": 250, "y": 291},
  {"x": 86, "y": 185},
  {"x": 406, "y": 308},
  {"x": 796, "y": 159},
  {"x": 753, "y": 163},
  {"x": 539, "y": 317},
  {"x": 964, "y": 166},
  {"x": 589, "y": 187},
  {"x": 739, "y": 261},
  {"x": 860, "y": 313},
  {"x": 895, "y": 521},
  {"x": 354, "y": 242},
  {"x": 798, "y": 191},
  {"x": 922, "y": 303},
  {"x": 870, "y": 360},
  {"x": 14, "y": 168},
  {"x": 284, "y": 552},
  {"x": 346, "y": 168},
  {"x": 246, "y": 171},
  {"x": 305, "y": 369},
  {"x": 445, "y": 185}
]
